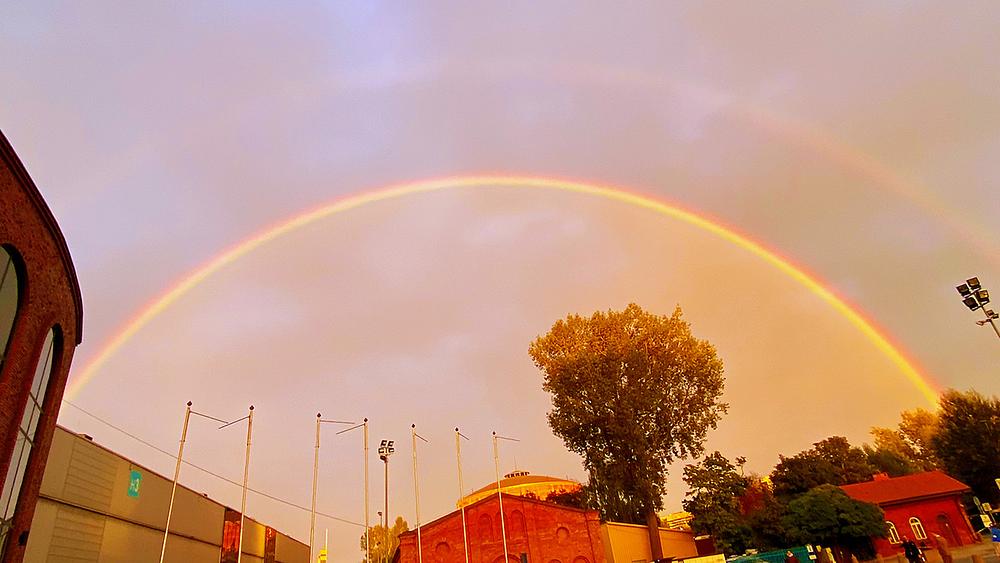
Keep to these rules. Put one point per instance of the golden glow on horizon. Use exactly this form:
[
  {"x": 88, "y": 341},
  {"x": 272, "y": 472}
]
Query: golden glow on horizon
[{"x": 247, "y": 246}]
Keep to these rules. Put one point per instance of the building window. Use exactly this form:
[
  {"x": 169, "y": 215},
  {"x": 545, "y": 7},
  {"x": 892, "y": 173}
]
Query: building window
[
  {"x": 890, "y": 529},
  {"x": 918, "y": 528},
  {"x": 9, "y": 299},
  {"x": 26, "y": 437}
]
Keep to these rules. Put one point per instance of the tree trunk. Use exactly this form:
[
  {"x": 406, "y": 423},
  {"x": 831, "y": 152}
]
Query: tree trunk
[{"x": 653, "y": 524}]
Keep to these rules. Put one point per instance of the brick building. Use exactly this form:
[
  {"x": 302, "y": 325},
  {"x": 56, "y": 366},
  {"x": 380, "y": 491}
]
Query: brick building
[
  {"x": 917, "y": 506},
  {"x": 41, "y": 320},
  {"x": 537, "y": 532}
]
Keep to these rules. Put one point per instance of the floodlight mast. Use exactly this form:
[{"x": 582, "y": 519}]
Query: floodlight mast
[{"x": 975, "y": 297}]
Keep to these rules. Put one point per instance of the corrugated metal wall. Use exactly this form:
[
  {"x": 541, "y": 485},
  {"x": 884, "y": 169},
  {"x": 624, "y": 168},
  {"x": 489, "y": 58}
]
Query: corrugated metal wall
[{"x": 90, "y": 509}]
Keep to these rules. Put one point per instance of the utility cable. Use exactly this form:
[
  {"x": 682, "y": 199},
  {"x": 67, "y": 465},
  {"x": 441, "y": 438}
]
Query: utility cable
[{"x": 202, "y": 469}]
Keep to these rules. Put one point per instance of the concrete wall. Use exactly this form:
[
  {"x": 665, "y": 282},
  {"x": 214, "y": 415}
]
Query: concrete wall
[{"x": 629, "y": 543}]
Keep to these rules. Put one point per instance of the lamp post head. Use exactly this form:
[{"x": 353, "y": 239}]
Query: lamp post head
[{"x": 973, "y": 283}]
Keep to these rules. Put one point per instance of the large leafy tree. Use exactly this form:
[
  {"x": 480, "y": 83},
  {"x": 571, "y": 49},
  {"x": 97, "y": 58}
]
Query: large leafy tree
[
  {"x": 967, "y": 440},
  {"x": 832, "y": 461},
  {"x": 908, "y": 446},
  {"x": 827, "y": 516},
  {"x": 631, "y": 392},
  {"x": 384, "y": 541},
  {"x": 715, "y": 490}
]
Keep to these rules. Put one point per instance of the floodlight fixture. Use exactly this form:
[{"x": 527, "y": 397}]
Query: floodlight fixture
[{"x": 975, "y": 297}]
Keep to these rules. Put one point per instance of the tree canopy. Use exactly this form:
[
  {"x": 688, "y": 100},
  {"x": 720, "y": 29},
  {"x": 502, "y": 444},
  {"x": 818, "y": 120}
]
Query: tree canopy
[
  {"x": 631, "y": 392},
  {"x": 967, "y": 440},
  {"x": 908, "y": 448},
  {"x": 826, "y": 515},
  {"x": 832, "y": 461},
  {"x": 384, "y": 541},
  {"x": 714, "y": 497}
]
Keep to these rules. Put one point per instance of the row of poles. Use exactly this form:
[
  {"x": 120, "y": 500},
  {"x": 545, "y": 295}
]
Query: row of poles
[
  {"x": 384, "y": 453},
  {"x": 177, "y": 471}
]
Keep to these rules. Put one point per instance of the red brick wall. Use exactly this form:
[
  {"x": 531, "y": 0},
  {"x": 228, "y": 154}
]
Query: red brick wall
[
  {"x": 927, "y": 511},
  {"x": 547, "y": 533},
  {"x": 49, "y": 297}
]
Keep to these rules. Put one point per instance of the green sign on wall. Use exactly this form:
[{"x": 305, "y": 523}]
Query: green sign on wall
[{"x": 134, "y": 480}]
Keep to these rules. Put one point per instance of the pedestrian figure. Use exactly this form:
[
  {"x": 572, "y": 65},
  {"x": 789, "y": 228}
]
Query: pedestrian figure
[
  {"x": 942, "y": 548},
  {"x": 790, "y": 557},
  {"x": 995, "y": 535},
  {"x": 911, "y": 551}
]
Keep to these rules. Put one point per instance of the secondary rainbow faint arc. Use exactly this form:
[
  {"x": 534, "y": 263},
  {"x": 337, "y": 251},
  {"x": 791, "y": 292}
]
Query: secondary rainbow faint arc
[{"x": 247, "y": 246}]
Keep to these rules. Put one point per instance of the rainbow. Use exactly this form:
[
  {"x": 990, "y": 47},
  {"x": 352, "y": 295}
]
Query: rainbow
[{"x": 241, "y": 249}]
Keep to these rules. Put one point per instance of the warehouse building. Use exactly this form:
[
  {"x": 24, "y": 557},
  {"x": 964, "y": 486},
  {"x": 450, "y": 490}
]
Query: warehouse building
[{"x": 95, "y": 505}]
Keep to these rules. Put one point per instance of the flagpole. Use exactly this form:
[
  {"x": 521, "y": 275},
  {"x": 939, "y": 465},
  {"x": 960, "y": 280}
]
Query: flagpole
[
  {"x": 503, "y": 525},
  {"x": 416, "y": 490},
  {"x": 246, "y": 476},
  {"x": 177, "y": 473},
  {"x": 312, "y": 511},
  {"x": 368, "y": 538},
  {"x": 461, "y": 490}
]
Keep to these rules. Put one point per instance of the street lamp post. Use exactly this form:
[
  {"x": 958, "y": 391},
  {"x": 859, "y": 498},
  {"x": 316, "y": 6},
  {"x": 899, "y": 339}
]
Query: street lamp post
[
  {"x": 385, "y": 449},
  {"x": 312, "y": 512},
  {"x": 975, "y": 297}
]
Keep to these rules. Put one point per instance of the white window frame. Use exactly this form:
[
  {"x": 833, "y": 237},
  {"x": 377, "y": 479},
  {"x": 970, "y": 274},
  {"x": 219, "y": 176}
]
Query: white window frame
[
  {"x": 893, "y": 534},
  {"x": 918, "y": 528},
  {"x": 13, "y": 481}
]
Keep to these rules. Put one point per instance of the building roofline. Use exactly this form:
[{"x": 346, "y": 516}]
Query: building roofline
[
  {"x": 537, "y": 480},
  {"x": 87, "y": 438},
  {"x": 21, "y": 173},
  {"x": 511, "y": 497}
]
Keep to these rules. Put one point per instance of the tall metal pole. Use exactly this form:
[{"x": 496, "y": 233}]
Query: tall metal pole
[
  {"x": 461, "y": 491},
  {"x": 388, "y": 534},
  {"x": 503, "y": 525},
  {"x": 368, "y": 536},
  {"x": 992, "y": 324},
  {"x": 246, "y": 476},
  {"x": 386, "y": 459},
  {"x": 312, "y": 513},
  {"x": 416, "y": 492},
  {"x": 177, "y": 473}
]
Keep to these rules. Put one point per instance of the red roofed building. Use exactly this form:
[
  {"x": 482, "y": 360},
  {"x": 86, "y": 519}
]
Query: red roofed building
[{"x": 917, "y": 506}]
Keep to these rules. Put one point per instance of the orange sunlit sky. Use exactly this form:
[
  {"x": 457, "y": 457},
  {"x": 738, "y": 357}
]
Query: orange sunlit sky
[{"x": 858, "y": 141}]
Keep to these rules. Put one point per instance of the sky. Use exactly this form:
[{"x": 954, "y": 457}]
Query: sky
[{"x": 857, "y": 140}]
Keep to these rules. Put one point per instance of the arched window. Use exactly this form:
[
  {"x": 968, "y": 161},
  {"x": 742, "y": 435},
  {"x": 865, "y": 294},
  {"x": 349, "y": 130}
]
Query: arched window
[
  {"x": 890, "y": 529},
  {"x": 918, "y": 528},
  {"x": 9, "y": 299},
  {"x": 26, "y": 436}
]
